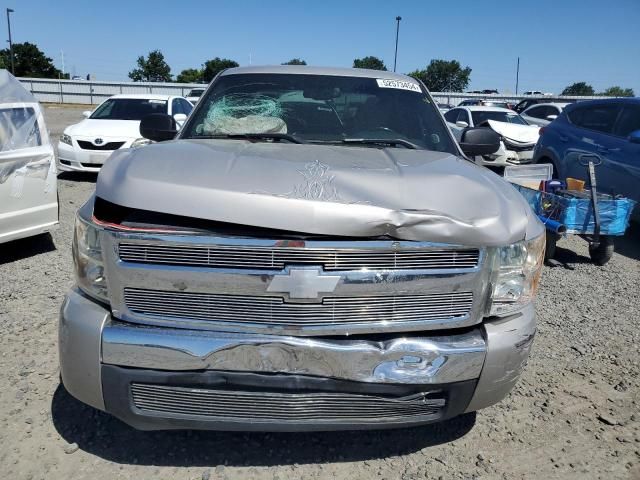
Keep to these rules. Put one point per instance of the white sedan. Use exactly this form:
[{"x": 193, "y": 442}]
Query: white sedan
[
  {"x": 543, "y": 114},
  {"x": 114, "y": 124},
  {"x": 518, "y": 138}
]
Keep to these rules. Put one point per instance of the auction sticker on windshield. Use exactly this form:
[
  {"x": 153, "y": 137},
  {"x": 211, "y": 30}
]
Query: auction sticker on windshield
[{"x": 402, "y": 85}]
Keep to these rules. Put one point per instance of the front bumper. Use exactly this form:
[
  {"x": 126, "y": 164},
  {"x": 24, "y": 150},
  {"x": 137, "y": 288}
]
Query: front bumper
[
  {"x": 504, "y": 156},
  {"x": 152, "y": 377},
  {"x": 72, "y": 158}
]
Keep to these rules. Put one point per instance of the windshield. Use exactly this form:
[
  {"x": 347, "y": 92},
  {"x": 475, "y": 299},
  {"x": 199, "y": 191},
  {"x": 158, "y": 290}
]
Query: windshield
[
  {"x": 128, "y": 108},
  {"x": 320, "y": 109},
  {"x": 196, "y": 92},
  {"x": 507, "y": 117}
]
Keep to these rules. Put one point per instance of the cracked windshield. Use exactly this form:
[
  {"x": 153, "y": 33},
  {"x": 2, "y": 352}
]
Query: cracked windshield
[{"x": 320, "y": 109}]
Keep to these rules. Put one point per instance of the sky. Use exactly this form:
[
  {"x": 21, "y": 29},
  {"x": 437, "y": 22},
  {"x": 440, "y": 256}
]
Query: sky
[{"x": 558, "y": 41}]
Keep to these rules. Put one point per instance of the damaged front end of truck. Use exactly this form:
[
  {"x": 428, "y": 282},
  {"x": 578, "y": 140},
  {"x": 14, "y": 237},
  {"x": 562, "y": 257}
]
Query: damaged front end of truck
[{"x": 260, "y": 284}]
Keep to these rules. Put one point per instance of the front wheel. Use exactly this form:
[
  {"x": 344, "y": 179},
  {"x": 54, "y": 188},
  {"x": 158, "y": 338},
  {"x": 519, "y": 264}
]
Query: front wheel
[
  {"x": 550, "y": 247},
  {"x": 601, "y": 254}
]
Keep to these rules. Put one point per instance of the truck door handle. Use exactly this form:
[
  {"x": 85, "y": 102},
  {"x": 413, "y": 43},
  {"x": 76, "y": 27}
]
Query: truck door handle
[{"x": 563, "y": 138}]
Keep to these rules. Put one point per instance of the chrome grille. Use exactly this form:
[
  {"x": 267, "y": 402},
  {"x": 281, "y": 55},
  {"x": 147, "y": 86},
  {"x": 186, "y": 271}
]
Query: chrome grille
[
  {"x": 265, "y": 406},
  {"x": 279, "y": 257},
  {"x": 273, "y": 310}
]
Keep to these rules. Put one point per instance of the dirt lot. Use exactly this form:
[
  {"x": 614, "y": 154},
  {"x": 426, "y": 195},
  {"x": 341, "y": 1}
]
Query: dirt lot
[{"x": 574, "y": 414}]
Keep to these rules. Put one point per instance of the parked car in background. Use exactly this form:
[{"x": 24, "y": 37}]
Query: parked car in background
[
  {"x": 482, "y": 102},
  {"x": 486, "y": 91},
  {"x": 444, "y": 107},
  {"x": 532, "y": 92},
  {"x": 518, "y": 137},
  {"x": 311, "y": 251},
  {"x": 113, "y": 125},
  {"x": 195, "y": 93},
  {"x": 608, "y": 129},
  {"x": 543, "y": 113},
  {"x": 522, "y": 105},
  {"x": 28, "y": 184}
]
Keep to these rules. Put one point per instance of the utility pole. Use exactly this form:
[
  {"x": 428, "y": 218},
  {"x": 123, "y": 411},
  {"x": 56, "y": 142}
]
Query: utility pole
[
  {"x": 13, "y": 70},
  {"x": 517, "y": 75},
  {"x": 395, "y": 57},
  {"x": 62, "y": 55}
]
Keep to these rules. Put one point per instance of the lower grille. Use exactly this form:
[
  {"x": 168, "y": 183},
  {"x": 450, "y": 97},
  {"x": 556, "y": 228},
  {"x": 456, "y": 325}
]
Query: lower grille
[
  {"x": 106, "y": 146},
  {"x": 299, "y": 407},
  {"x": 273, "y": 310},
  {"x": 518, "y": 148}
]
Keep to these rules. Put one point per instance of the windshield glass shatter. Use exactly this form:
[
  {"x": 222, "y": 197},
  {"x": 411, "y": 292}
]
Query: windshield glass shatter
[{"x": 322, "y": 109}]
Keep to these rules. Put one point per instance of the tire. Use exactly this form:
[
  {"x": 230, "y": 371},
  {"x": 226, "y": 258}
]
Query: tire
[
  {"x": 550, "y": 248},
  {"x": 601, "y": 254}
]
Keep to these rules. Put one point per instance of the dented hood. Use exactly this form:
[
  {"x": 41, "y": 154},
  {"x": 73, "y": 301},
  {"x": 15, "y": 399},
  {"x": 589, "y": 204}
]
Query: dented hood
[
  {"x": 320, "y": 189},
  {"x": 513, "y": 131}
]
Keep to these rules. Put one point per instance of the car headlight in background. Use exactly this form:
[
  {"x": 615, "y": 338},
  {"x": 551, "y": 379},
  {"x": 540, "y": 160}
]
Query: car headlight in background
[
  {"x": 64, "y": 138},
  {"x": 518, "y": 268},
  {"x": 139, "y": 142},
  {"x": 87, "y": 260}
]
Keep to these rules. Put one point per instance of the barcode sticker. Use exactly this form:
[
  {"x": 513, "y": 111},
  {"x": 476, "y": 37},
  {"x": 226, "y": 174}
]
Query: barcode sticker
[{"x": 399, "y": 84}]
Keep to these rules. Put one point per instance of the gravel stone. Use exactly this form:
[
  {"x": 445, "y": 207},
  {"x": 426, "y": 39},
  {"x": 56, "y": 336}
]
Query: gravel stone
[
  {"x": 607, "y": 419},
  {"x": 71, "y": 448}
]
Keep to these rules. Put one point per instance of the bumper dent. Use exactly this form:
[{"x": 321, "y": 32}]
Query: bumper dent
[
  {"x": 509, "y": 342},
  {"x": 429, "y": 360},
  {"x": 92, "y": 344}
]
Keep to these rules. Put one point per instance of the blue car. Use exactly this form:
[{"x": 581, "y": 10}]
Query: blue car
[{"x": 608, "y": 128}]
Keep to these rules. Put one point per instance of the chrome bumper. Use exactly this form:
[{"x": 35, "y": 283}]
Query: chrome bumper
[
  {"x": 430, "y": 360},
  {"x": 491, "y": 355}
]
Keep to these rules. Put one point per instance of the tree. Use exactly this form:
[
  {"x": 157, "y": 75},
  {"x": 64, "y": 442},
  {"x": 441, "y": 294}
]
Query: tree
[
  {"x": 618, "y": 92},
  {"x": 190, "y": 75},
  {"x": 151, "y": 69},
  {"x": 215, "y": 66},
  {"x": 372, "y": 63},
  {"x": 579, "y": 89},
  {"x": 30, "y": 61},
  {"x": 295, "y": 61},
  {"x": 444, "y": 76}
]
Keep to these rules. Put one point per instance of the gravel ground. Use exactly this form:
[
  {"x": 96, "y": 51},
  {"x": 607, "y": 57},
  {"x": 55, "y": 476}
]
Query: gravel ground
[{"x": 574, "y": 414}]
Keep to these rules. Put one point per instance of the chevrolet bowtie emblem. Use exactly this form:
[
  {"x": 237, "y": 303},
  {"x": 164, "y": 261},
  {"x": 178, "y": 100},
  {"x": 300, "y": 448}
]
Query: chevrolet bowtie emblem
[{"x": 303, "y": 283}]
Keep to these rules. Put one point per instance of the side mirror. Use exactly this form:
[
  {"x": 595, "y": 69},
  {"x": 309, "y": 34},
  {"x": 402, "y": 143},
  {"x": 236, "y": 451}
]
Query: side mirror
[
  {"x": 462, "y": 124},
  {"x": 479, "y": 141},
  {"x": 179, "y": 118},
  {"x": 158, "y": 127},
  {"x": 86, "y": 114},
  {"x": 551, "y": 118}
]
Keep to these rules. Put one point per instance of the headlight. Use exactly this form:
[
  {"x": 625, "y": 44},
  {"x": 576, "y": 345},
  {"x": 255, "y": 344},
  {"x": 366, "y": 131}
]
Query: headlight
[
  {"x": 87, "y": 259},
  {"x": 518, "y": 268},
  {"x": 64, "y": 138},
  {"x": 139, "y": 142}
]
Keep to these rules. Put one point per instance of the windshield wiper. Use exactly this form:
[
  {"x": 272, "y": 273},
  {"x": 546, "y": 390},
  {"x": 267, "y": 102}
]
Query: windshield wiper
[
  {"x": 256, "y": 136},
  {"x": 382, "y": 141}
]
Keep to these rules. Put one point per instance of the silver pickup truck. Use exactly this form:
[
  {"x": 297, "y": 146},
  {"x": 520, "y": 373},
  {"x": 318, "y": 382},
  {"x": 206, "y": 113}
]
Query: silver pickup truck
[{"x": 311, "y": 251}]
